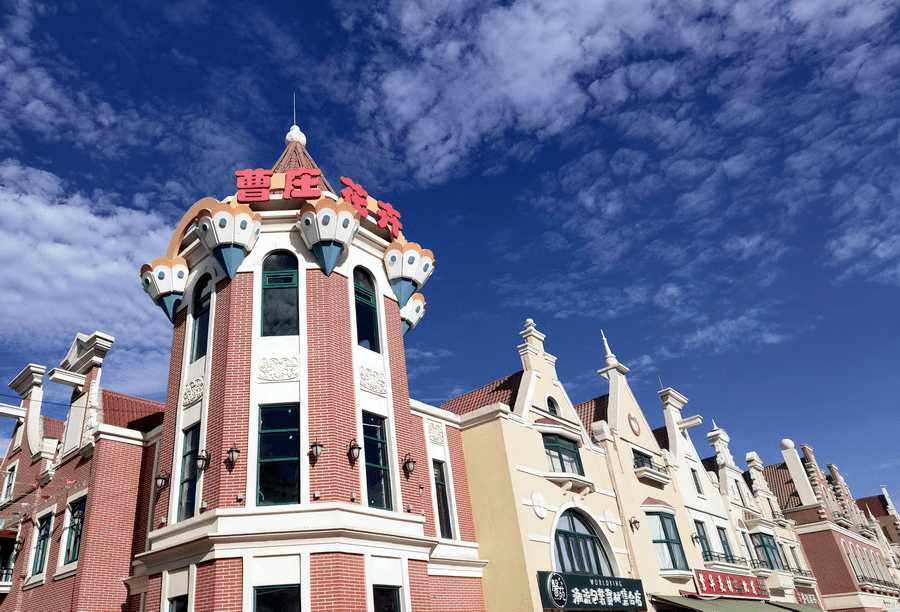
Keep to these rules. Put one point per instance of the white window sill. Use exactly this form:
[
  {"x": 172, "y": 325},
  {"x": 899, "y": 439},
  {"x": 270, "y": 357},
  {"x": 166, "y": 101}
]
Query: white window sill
[
  {"x": 33, "y": 581},
  {"x": 64, "y": 571},
  {"x": 676, "y": 574}
]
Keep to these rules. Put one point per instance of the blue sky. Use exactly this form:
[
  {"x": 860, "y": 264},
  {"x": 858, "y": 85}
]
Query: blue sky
[{"x": 714, "y": 184}]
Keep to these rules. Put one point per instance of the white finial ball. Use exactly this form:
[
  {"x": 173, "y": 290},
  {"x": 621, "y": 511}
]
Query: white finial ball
[
  {"x": 787, "y": 444},
  {"x": 529, "y": 322},
  {"x": 295, "y": 135}
]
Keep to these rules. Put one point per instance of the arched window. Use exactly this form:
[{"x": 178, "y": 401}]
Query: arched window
[
  {"x": 200, "y": 314},
  {"x": 280, "y": 313},
  {"x": 578, "y": 549},
  {"x": 366, "y": 310},
  {"x": 552, "y": 406}
]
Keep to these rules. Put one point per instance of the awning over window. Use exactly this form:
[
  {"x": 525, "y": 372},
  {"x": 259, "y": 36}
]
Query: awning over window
[
  {"x": 795, "y": 606},
  {"x": 719, "y": 605}
]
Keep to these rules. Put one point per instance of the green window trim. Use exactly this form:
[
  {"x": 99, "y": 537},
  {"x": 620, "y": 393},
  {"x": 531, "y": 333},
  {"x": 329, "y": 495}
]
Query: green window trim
[
  {"x": 696, "y": 476},
  {"x": 562, "y": 455},
  {"x": 278, "y": 460},
  {"x": 766, "y": 550},
  {"x": 578, "y": 549},
  {"x": 76, "y": 524},
  {"x": 666, "y": 541},
  {"x": 365, "y": 297},
  {"x": 704, "y": 541},
  {"x": 280, "y": 302},
  {"x": 378, "y": 471},
  {"x": 41, "y": 544},
  {"x": 726, "y": 547},
  {"x": 10, "y": 479},
  {"x": 187, "y": 484},
  {"x": 443, "y": 499}
]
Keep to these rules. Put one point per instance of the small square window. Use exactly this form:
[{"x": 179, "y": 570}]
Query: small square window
[{"x": 386, "y": 598}]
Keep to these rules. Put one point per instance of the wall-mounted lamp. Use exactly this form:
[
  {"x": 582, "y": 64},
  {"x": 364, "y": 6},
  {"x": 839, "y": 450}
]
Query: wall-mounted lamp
[
  {"x": 635, "y": 524},
  {"x": 202, "y": 461},
  {"x": 161, "y": 481},
  {"x": 353, "y": 450},
  {"x": 315, "y": 449},
  {"x": 409, "y": 464},
  {"x": 77, "y": 518},
  {"x": 19, "y": 544},
  {"x": 695, "y": 538},
  {"x": 232, "y": 454}
]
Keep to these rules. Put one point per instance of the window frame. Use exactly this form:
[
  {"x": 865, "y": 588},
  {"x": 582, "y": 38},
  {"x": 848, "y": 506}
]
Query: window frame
[
  {"x": 41, "y": 549},
  {"x": 9, "y": 482},
  {"x": 365, "y": 301},
  {"x": 267, "y": 287},
  {"x": 442, "y": 497},
  {"x": 697, "y": 486},
  {"x": 767, "y": 543},
  {"x": 181, "y": 600},
  {"x": 74, "y": 532},
  {"x": 296, "y": 460},
  {"x": 201, "y": 313},
  {"x": 705, "y": 549},
  {"x": 571, "y": 547},
  {"x": 258, "y": 589},
  {"x": 553, "y": 444},
  {"x": 726, "y": 546},
  {"x": 671, "y": 541},
  {"x": 383, "y": 465},
  {"x": 386, "y": 588},
  {"x": 552, "y": 405},
  {"x": 189, "y": 476}
]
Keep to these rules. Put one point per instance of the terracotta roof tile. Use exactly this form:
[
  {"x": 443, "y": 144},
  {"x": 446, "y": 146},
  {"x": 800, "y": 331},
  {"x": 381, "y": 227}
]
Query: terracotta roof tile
[
  {"x": 593, "y": 410},
  {"x": 53, "y": 428},
  {"x": 662, "y": 437},
  {"x": 782, "y": 485},
  {"x": 296, "y": 156},
  {"x": 876, "y": 504},
  {"x": 546, "y": 421},
  {"x": 652, "y": 501},
  {"x": 132, "y": 412},
  {"x": 503, "y": 391}
]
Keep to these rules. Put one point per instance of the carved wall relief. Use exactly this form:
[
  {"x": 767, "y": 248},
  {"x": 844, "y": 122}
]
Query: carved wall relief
[
  {"x": 193, "y": 391},
  {"x": 279, "y": 368},
  {"x": 372, "y": 380}
]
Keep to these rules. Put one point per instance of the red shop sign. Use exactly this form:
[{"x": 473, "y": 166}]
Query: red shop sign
[{"x": 730, "y": 585}]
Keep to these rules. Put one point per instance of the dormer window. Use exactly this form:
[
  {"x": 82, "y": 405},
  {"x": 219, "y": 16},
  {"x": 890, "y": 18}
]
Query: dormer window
[
  {"x": 562, "y": 455},
  {"x": 280, "y": 312},
  {"x": 200, "y": 314},
  {"x": 552, "y": 406},
  {"x": 366, "y": 310}
]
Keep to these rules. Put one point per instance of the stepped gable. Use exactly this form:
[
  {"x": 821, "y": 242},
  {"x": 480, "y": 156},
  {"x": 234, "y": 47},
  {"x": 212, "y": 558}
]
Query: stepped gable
[
  {"x": 132, "y": 412},
  {"x": 782, "y": 485},
  {"x": 593, "y": 410},
  {"x": 503, "y": 391},
  {"x": 295, "y": 155},
  {"x": 876, "y": 505},
  {"x": 53, "y": 428},
  {"x": 662, "y": 437}
]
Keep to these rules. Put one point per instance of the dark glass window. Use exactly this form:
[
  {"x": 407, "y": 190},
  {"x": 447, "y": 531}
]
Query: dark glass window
[
  {"x": 766, "y": 551},
  {"x": 40, "y": 545},
  {"x": 552, "y": 407},
  {"x": 578, "y": 549},
  {"x": 188, "y": 491},
  {"x": 704, "y": 541},
  {"x": 666, "y": 541},
  {"x": 443, "y": 500},
  {"x": 562, "y": 455},
  {"x": 280, "y": 300},
  {"x": 76, "y": 521},
  {"x": 277, "y": 598},
  {"x": 178, "y": 604},
  {"x": 10, "y": 478},
  {"x": 696, "y": 478},
  {"x": 378, "y": 472},
  {"x": 386, "y": 598},
  {"x": 366, "y": 310},
  {"x": 726, "y": 547},
  {"x": 279, "y": 455},
  {"x": 200, "y": 313}
]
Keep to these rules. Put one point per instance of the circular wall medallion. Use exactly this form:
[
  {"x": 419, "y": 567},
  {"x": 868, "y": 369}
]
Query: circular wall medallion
[
  {"x": 610, "y": 520},
  {"x": 635, "y": 426},
  {"x": 539, "y": 504}
]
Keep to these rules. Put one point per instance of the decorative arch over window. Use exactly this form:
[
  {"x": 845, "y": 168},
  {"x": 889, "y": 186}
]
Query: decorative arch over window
[
  {"x": 366, "y": 310},
  {"x": 280, "y": 301},
  {"x": 552, "y": 406},
  {"x": 577, "y": 547},
  {"x": 200, "y": 314}
]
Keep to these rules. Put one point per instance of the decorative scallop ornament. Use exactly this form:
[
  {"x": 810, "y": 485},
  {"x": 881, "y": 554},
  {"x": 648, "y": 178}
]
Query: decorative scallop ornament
[
  {"x": 408, "y": 266},
  {"x": 412, "y": 312},
  {"x": 164, "y": 281},
  {"x": 327, "y": 228},
  {"x": 230, "y": 232}
]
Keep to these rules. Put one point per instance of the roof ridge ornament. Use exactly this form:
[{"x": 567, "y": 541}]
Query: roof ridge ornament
[{"x": 610, "y": 357}]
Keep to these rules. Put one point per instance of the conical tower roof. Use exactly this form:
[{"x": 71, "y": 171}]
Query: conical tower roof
[{"x": 296, "y": 156}]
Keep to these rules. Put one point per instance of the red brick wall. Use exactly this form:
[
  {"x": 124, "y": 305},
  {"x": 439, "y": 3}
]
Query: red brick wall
[
  {"x": 457, "y": 594},
  {"x": 145, "y": 486},
  {"x": 410, "y": 434},
  {"x": 338, "y": 582},
  {"x": 828, "y": 562},
  {"x": 460, "y": 485},
  {"x": 154, "y": 593},
  {"x": 332, "y": 399},
  {"x": 228, "y": 411},
  {"x": 219, "y": 586}
]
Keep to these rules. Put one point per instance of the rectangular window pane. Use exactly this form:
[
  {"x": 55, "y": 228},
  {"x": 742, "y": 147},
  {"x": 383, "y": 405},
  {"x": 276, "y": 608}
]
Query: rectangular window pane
[
  {"x": 178, "y": 604},
  {"x": 443, "y": 500},
  {"x": 189, "y": 475},
  {"x": 277, "y": 598},
  {"x": 7, "y": 492},
  {"x": 386, "y": 599},
  {"x": 378, "y": 479},
  {"x": 281, "y": 315},
  {"x": 366, "y": 326},
  {"x": 40, "y": 546},
  {"x": 279, "y": 455},
  {"x": 76, "y": 520},
  {"x": 279, "y": 445},
  {"x": 200, "y": 338}
]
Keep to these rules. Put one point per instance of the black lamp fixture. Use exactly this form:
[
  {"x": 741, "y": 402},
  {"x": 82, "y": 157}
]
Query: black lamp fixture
[
  {"x": 77, "y": 518},
  {"x": 315, "y": 449},
  {"x": 202, "y": 461},
  {"x": 161, "y": 480},
  {"x": 353, "y": 450},
  {"x": 232, "y": 454},
  {"x": 695, "y": 538},
  {"x": 635, "y": 523},
  {"x": 409, "y": 464},
  {"x": 18, "y": 545}
]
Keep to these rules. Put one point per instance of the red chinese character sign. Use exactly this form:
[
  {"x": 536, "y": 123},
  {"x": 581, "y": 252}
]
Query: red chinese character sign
[
  {"x": 253, "y": 185},
  {"x": 302, "y": 183},
  {"x": 356, "y": 196},
  {"x": 730, "y": 585}
]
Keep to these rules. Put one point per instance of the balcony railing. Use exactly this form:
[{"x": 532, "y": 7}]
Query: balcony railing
[
  {"x": 878, "y": 582},
  {"x": 709, "y": 555},
  {"x": 759, "y": 564},
  {"x": 643, "y": 461},
  {"x": 801, "y": 572}
]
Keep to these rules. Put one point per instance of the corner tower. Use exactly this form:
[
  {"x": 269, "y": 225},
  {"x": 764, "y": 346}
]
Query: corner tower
[{"x": 288, "y": 453}]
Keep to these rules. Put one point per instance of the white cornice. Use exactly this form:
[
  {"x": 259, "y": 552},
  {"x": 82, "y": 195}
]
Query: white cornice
[{"x": 423, "y": 409}]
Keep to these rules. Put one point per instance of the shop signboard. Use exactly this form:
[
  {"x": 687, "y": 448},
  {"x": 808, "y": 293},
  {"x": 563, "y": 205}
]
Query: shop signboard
[
  {"x": 563, "y": 591},
  {"x": 807, "y": 597},
  {"x": 730, "y": 585}
]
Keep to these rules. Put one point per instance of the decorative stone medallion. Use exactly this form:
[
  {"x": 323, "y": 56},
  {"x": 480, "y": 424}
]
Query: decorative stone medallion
[
  {"x": 372, "y": 380},
  {"x": 193, "y": 391},
  {"x": 539, "y": 504},
  {"x": 435, "y": 432},
  {"x": 635, "y": 426},
  {"x": 279, "y": 368},
  {"x": 610, "y": 520}
]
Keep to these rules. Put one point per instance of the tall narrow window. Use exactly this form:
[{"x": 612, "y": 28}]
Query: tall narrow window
[
  {"x": 562, "y": 455},
  {"x": 277, "y": 598},
  {"x": 280, "y": 300},
  {"x": 696, "y": 478},
  {"x": 73, "y": 541},
  {"x": 41, "y": 544},
  {"x": 178, "y": 604},
  {"x": 443, "y": 499},
  {"x": 726, "y": 547},
  {"x": 10, "y": 479},
  {"x": 552, "y": 407},
  {"x": 279, "y": 455},
  {"x": 366, "y": 310},
  {"x": 378, "y": 472},
  {"x": 764, "y": 544},
  {"x": 578, "y": 549},
  {"x": 200, "y": 314},
  {"x": 188, "y": 484},
  {"x": 666, "y": 541},
  {"x": 704, "y": 541},
  {"x": 386, "y": 598},
  {"x": 796, "y": 558}
]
